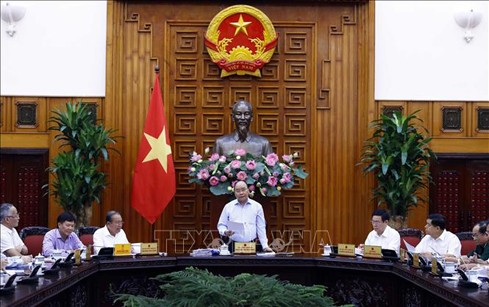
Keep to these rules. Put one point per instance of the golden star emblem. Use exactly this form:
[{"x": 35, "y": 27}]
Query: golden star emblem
[
  {"x": 159, "y": 149},
  {"x": 241, "y": 25}
]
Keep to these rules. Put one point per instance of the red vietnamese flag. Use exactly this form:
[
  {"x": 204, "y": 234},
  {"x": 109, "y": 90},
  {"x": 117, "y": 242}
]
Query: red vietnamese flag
[{"x": 153, "y": 184}]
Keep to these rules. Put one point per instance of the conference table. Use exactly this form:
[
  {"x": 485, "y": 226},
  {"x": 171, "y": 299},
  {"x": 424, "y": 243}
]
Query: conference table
[{"x": 362, "y": 282}]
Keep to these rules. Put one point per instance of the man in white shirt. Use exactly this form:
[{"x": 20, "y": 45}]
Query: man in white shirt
[
  {"x": 382, "y": 234},
  {"x": 438, "y": 240},
  {"x": 11, "y": 244},
  {"x": 111, "y": 234},
  {"x": 247, "y": 211}
]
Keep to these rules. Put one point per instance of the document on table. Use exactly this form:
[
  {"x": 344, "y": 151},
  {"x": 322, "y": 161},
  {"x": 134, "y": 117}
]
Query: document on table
[
  {"x": 409, "y": 247},
  {"x": 237, "y": 227}
]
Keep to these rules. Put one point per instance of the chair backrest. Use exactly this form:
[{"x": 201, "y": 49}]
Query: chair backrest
[
  {"x": 33, "y": 237},
  {"x": 86, "y": 234},
  {"x": 411, "y": 235},
  {"x": 468, "y": 243}
]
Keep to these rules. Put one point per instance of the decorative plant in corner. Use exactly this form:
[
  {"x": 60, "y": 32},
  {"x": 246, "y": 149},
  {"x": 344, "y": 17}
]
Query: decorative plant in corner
[
  {"x": 399, "y": 156},
  {"x": 78, "y": 179},
  {"x": 194, "y": 287}
]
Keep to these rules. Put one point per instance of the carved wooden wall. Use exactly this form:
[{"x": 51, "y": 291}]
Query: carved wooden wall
[{"x": 307, "y": 100}]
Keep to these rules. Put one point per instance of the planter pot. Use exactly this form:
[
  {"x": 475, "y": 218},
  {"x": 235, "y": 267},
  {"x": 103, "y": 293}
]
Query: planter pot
[{"x": 398, "y": 222}]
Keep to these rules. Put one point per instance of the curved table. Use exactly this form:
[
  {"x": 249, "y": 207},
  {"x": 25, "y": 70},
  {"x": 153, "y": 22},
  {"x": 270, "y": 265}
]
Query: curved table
[{"x": 349, "y": 280}]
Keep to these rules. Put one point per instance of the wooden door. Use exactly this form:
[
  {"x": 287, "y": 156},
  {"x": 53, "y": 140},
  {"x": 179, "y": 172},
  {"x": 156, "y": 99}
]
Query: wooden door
[
  {"x": 460, "y": 191},
  {"x": 22, "y": 175}
]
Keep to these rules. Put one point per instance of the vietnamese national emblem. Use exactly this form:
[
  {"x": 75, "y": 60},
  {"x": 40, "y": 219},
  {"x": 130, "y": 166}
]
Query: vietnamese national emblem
[{"x": 240, "y": 40}]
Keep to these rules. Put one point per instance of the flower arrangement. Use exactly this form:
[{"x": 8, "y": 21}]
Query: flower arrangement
[{"x": 268, "y": 175}]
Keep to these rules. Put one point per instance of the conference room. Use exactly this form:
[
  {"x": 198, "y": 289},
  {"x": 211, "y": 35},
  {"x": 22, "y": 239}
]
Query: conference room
[{"x": 244, "y": 138}]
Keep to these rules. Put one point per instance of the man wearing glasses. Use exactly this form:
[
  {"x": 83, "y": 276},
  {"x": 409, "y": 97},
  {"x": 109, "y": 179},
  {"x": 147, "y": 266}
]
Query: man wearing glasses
[
  {"x": 438, "y": 241},
  {"x": 111, "y": 234},
  {"x": 382, "y": 234},
  {"x": 11, "y": 243}
]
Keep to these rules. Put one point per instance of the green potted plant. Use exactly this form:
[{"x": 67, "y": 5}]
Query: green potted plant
[
  {"x": 399, "y": 156},
  {"x": 78, "y": 178},
  {"x": 195, "y": 287}
]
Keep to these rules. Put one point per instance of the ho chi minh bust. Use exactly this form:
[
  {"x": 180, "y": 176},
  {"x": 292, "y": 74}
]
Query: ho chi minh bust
[{"x": 242, "y": 137}]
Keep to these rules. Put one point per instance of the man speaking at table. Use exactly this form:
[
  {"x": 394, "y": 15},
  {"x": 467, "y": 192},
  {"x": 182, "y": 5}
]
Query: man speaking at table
[{"x": 247, "y": 211}]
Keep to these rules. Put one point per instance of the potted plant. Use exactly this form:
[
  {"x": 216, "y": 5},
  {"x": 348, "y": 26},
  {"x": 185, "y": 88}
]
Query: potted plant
[
  {"x": 78, "y": 178},
  {"x": 399, "y": 156},
  {"x": 195, "y": 287}
]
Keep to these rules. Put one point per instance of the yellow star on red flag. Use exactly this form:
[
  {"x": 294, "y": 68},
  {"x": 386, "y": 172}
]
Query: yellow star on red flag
[{"x": 159, "y": 149}]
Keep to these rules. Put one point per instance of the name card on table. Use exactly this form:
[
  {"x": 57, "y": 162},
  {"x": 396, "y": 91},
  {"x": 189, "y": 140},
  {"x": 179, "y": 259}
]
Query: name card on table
[
  {"x": 346, "y": 249},
  {"x": 372, "y": 251},
  {"x": 244, "y": 248},
  {"x": 416, "y": 261},
  {"x": 149, "y": 248},
  {"x": 434, "y": 266},
  {"x": 122, "y": 249}
]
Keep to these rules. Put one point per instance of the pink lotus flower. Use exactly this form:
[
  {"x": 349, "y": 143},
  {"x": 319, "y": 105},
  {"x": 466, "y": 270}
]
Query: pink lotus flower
[
  {"x": 287, "y": 177},
  {"x": 241, "y": 175},
  {"x": 287, "y": 158},
  {"x": 275, "y": 174},
  {"x": 251, "y": 188},
  {"x": 256, "y": 176},
  {"x": 251, "y": 165},
  {"x": 271, "y": 159},
  {"x": 195, "y": 157},
  {"x": 212, "y": 167},
  {"x": 272, "y": 181},
  {"x": 240, "y": 152},
  {"x": 203, "y": 174},
  {"x": 222, "y": 159},
  {"x": 214, "y": 157},
  {"x": 236, "y": 164},
  {"x": 282, "y": 181},
  {"x": 214, "y": 181},
  {"x": 227, "y": 169},
  {"x": 224, "y": 178}
]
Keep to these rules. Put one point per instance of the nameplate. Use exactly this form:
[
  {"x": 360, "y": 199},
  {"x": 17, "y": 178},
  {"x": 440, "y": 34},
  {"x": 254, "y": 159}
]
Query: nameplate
[
  {"x": 372, "y": 251},
  {"x": 416, "y": 261},
  {"x": 122, "y": 249},
  {"x": 346, "y": 249},
  {"x": 434, "y": 266},
  {"x": 244, "y": 248},
  {"x": 149, "y": 248}
]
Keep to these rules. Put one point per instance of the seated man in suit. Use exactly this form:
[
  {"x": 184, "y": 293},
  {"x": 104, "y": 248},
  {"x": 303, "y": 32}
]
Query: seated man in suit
[
  {"x": 244, "y": 210},
  {"x": 62, "y": 238},
  {"x": 382, "y": 234},
  {"x": 11, "y": 243},
  {"x": 438, "y": 240},
  {"x": 111, "y": 234}
]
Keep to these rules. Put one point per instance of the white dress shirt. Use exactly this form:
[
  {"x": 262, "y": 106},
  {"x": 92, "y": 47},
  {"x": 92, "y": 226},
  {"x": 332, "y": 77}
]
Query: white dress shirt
[
  {"x": 103, "y": 238},
  {"x": 251, "y": 215},
  {"x": 9, "y": 238},
  {"x": 446, "y": 243},
  {"x": 389, "y": 239}
]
